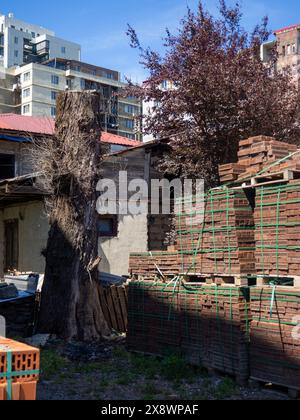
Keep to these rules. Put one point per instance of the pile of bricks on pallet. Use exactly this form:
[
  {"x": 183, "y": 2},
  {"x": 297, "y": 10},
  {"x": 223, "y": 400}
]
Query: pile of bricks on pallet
[
  {"x": 277, "y": 230},
  {"x": 237, "y": 232},
  {"x": 151, "y": 265},
  {"x": 254, "y": 155},
  {"x": 275, "y": 340},
  {"x": 222, "y": 241},
  {"x": 216, "y": 237},
  {"x": 19, "y": 370},
  {"x": 208, "y": 326}
]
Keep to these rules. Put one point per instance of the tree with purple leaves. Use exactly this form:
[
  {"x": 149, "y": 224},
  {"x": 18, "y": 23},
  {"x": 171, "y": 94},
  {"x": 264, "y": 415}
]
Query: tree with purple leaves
[{"x": 221, "y": 91}]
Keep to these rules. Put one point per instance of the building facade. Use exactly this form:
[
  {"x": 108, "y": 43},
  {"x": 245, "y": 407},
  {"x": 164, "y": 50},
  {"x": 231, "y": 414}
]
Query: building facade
[
  {"x": 22, "y": 42},
  {"x": 35, "y": 66},
  {"x": 40, "y": 84},
  {"x": 24, "y": 226},
  {"x": 287, "y": 45}
]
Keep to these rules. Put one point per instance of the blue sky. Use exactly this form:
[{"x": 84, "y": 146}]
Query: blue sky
[{"x": 100, "y": 26}]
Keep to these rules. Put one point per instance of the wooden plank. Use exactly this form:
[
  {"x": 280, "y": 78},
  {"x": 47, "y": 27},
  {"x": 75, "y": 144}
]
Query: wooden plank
[
  {"x": 122, "y": 298},
  {"x": 117, "y": 307},
  {"x": 104, "y": 306},
  {"x": 111, "y": 309}
]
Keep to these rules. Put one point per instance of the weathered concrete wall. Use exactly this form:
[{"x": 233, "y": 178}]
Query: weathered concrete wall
[
  {"x": 132, "y": 237},
  {"x": 22, "y": 156},
  {"x": 33, "y": 234},
  {"x": 132, "y": 230}
]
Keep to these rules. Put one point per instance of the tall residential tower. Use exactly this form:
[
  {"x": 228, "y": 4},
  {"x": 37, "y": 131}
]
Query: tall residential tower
[{"x": 35, "y": 66}]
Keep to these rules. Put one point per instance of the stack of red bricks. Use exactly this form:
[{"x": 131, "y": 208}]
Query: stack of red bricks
[
  {"x": 277, "y": 230},
  {"x": 222, "y": 241},
  {"x": 275, "y": 336},
  {"x": 208, "y": 326},
  {"x": 155, "y": 264},
  {"x": 254, "y": 155},
  {"x": 19, "y": 370}
]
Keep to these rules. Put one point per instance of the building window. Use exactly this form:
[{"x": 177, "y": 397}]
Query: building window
[
  {"x": 130, "y": 109},
  {"x": 53, "y": 111},
  {"x": 63, "y": 50},
  {"x": 294, "y": 50},
  {"x": 26, "y": 93},
  {"x": 16, "y": 54},
  {"x": 127, "y": 135},
  {"x": 54, "y": 80},
  {"x": 53, "y": 96},
  {"x": 27, "y": 76},
  {"x": 82, "y": 84},
  {"x": 107, "y": 226},
  {"x": 16, "y": 40},
  {"x": 7, "y": 166},
  {"x": 129, "y": 124},
  {"x": 164, "y": 84},
  {"x": 26, "y": 109},
  {"x": 33, "y": 34},
  {"x": 289, "y": 49}
]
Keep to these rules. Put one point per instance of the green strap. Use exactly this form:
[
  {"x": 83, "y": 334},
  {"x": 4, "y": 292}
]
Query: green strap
[
  {"x": 228, "y": 230},
  {"x": 9, "y": 375},
  {"x": 277, "y": 230},
  {"x": 214, "y": 236},
  {"x": 262, "y": 230}
]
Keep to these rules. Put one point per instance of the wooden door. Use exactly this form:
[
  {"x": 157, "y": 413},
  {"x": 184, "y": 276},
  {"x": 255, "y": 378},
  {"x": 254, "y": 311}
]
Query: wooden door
[{"x": 11, "y": 245}]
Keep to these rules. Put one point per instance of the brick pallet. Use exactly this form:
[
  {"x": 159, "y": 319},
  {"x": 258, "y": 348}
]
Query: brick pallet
[
  {"x": 19, "y": 370},
  {"x": 222, "y": 241},
  {"x": 277, "y": 230},
  {"x": 275, "y": 342},
  {"x": 150, "y": 265},
  {"x": 208, "y": 326},
  {"x": 254, "y": 155}
]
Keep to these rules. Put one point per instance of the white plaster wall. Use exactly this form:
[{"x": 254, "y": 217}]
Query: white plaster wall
[
  {"x": 132, "y": 237},
  {"x": 33, "y": 235},
  {"x": 73, "y": 50}
]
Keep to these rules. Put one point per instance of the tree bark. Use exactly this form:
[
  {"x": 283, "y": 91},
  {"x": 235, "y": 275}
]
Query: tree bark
[{"x": 70, "y": 305}]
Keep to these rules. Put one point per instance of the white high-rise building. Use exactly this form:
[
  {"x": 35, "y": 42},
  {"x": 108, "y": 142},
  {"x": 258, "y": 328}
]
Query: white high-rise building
[
  {"x": 23, "y": 43},
  {"x": 35, "y": 66}
]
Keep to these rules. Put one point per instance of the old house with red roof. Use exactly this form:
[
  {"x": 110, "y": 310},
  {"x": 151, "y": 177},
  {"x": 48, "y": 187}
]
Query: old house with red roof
[{"x": 23, "y": 221}]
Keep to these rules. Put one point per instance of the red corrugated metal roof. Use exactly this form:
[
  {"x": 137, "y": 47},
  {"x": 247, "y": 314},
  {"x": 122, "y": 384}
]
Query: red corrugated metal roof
[
  {"x": 44, "y": 125},
  {"x": 35, "y": 125},
  {"x": 122, "y": 141},
  {"x": 287, "y": 28}
]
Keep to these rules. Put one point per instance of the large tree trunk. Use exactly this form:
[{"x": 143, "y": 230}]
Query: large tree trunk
[{"x": 70, "y": 305}]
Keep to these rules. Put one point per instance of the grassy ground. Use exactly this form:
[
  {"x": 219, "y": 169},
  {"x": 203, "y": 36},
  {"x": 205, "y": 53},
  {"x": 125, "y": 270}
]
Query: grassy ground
[{"x": 120, "y": 375}]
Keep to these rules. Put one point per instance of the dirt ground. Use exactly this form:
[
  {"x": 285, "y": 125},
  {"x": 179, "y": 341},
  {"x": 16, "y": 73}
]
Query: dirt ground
[{"x": 107, "y": 371}]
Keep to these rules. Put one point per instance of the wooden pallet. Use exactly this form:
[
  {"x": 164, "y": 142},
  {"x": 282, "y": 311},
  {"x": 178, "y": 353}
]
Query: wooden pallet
[
  {"x": 287, "y": 281},
  {"x": 114, "y": 304},
  {"x": 293, "y": 393},
  {"x": 220, "y": 280},
  {"x": 276, "y": 177}
]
